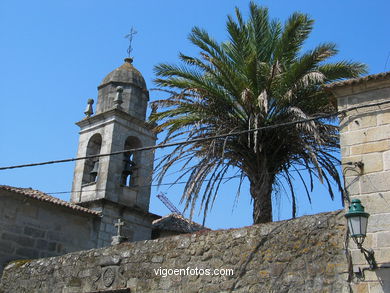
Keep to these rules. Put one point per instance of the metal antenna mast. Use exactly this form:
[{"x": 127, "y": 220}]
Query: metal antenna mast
[
  {"x": 130, "y": 36},
  {"x": 161, "y": 196}
]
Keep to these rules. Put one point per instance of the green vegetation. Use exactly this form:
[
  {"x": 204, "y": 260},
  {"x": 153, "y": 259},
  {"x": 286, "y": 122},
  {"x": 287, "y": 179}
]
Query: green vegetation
[{"x": 257, "y": 78}]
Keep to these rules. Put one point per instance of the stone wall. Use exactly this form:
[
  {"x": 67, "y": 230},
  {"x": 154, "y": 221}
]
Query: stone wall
[
  {"x": 302, "y": 255},
  {"x": 33, "y": 229},
  {"x": 365, "y": 137}
]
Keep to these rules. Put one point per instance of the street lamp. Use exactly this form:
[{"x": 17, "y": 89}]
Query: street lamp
[{"x": 357, "y": 224}]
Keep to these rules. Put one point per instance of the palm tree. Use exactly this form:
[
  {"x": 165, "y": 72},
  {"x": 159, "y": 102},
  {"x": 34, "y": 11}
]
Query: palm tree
[{"x": 257, "y": 78}]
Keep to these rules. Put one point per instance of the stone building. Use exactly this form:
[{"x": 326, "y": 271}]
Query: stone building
[
  {"x": 105, "y": 189},
  {"x": 365, "y": 151},
  {"x": 34, "y": 225}
]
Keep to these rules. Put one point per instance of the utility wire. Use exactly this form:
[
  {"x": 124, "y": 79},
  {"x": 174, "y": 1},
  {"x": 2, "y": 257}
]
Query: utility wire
[
  {"x": 137, "y": 186},
  {"x": 184, "y": 182},
  {"x": 199, "y": 139}
]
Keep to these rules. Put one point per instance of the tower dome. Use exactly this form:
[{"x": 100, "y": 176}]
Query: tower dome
[
  {"x": 126, "y": 73},
  {"x": 134, "y": 95}
]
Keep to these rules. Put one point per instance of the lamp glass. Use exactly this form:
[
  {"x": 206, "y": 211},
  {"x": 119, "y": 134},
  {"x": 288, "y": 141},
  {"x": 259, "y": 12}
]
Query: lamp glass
[{"x": 357, "y": 226}]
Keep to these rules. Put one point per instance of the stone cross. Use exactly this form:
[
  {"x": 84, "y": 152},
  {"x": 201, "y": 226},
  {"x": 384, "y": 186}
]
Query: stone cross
[{"x": 119, "y": 224}]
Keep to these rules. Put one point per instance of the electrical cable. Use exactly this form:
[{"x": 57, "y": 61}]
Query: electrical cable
[
  {"x": 179, "y": 182},
  {"x": 198, "y": 139}
]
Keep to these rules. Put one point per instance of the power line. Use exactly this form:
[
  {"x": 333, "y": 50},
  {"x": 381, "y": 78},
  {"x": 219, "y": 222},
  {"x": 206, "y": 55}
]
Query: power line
[
  {"x": 199, "y": 139},
  {"x": 138, "y": 186},
  {"x": 185, "y": 182}
]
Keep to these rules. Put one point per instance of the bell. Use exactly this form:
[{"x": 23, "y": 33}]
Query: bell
[
  {"x": 129, "y": 167},
  {"x": 95, "y": 170}
]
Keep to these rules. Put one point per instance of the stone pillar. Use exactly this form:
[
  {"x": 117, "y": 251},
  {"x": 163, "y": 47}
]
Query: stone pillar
[{"x": 365, "y": 138}]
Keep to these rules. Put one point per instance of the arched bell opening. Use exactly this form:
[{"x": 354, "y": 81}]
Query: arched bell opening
[
  {"x": 91, "y": 167},
  {"x": 130, "y": 162}
]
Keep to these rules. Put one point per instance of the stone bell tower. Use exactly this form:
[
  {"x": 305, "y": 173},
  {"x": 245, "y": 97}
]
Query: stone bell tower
[{"x": 117, "y": 185}]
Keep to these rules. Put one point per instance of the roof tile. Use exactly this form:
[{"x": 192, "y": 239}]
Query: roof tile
[
  {"x": 353, "y": 81},
  {"x": 177, "y": 223},
  {"x": 39, "y": 195}
]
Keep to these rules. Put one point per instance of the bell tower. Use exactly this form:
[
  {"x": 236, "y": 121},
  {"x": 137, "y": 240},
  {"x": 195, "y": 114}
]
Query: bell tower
[{"x": 117, "y": 185}]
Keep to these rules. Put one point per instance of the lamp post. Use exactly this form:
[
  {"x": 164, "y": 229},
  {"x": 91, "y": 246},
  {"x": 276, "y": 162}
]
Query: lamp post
[{"x": 357, "y": 224}]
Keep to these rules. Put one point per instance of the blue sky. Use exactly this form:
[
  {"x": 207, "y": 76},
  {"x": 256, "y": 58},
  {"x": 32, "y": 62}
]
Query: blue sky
[{"x": 53, "y": 54}]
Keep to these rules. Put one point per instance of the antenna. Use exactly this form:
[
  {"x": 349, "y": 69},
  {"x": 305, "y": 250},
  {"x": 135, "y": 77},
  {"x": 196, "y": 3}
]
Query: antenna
[
  {"x": 161, "y": 196},
  {"x": 130, "y": 36}
]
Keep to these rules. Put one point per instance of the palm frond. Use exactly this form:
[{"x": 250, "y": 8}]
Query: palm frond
[{"x": 258, "y": 77}]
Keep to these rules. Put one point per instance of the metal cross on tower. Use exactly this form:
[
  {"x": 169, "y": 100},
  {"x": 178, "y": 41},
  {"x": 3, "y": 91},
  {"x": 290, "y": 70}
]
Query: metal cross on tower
[{"x": 130, "y": 36}]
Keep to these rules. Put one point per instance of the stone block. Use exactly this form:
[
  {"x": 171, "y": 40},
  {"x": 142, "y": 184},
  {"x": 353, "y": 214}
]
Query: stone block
[
  {"x": 27, "y": 252},
  {"x": 362, "y": 122},
  {"x": 60, "y": 248},
  {"x": 111, "y": 212},
  {"x": 30, "y": 210},
  {"x": 365, "y": 135},
  {"x": 386, "y": 160},
  {"x": 384, "y": 117},
  {"x": 362, "y": 95},
  {"x": 342, "y": 103},
  {"x": 343, "y": 124},
  {"x": 345, "y": 152},
  {"x": 378, "y": 287},
  {"x": 383, "y": 239},
  {"x": 12, "y": 228},
  {"x": 19, "y": 239},
  {"x": 376, "y": 203},
  {"x": 375, "y": 182},
  {"x": 372, "y": 163},
  {"x": 379, "y": 223},
  {"x": 378, "y": 133},
  {"x": 105, "y": 236},
  {"x": 157, "y": 259},
  {"x": 352, "y": 138},
  {"x": 360, "y": 288},
  {"x": 358, "y": 258},
  {"x": 51, "y": 246},
  {"x": 368, "y": 242},
  {"x": 55, "y": 236},
  {"x": 110, "y": 229},
  {"x": 6, "y": 247},
  {"x": 378, "y": 146},
  {"x": 370, "y": 276},
  {"x": 352, "y": 185},
  {"x": 382, "y": 255},
  {"x": 41, "y": 244},
  {"x": 33, "y": 232}
]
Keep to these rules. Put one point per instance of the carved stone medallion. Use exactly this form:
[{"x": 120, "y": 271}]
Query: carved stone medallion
[{"x": 108, "y": 277}]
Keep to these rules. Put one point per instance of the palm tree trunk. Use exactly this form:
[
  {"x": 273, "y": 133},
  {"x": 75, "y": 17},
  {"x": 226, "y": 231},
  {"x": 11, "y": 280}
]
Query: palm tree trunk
[{"x": 261, "y": 192}]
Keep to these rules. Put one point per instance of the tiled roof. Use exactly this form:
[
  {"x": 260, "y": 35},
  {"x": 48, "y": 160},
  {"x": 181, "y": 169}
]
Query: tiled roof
[
  {"x": 177, "y": 223},
  {"x": 379, "y": 76},
  {"x": 39, "y": 195}
]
